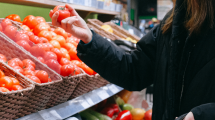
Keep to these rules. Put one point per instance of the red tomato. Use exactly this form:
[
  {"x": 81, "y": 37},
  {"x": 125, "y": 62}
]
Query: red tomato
[
  {"x": 72, "y": 42},
  {"x": 36, "y": 71},
  {"x": 55, "y": 44},
  {"x": 62, "y": 32},
  {"x": 44, "y": 46},
  {"x": 26, "y": 28},
  {"x": 50, "y": 55},
  {"x": 69, "y": 35},
  {"x": 40, "y": 19},
  {"x": 30, "y": 21},
  {"x": 29, "y": 72},
  {"x": 18, "y": 69},
  {"x": 50, "y": 46},
  {"x": 69, "y": 46},
  {"x": 58, "y": 53},
  {"x": 50, "y": 80},
  {"x": 21, "y": 36},
  {"x": 15, "y": 62},
  {"x": 3, "y": 58},
  {"x": 40, "y": 27},
  {"x": 76, "y": 71},
  {"x": 5, "y": 23},
  {"x": 1, "y": 74},
  {"x": 27, "y": 62},
  {"x": 14, "y": 17},
  {"x": 43, "y": 40},
  {"x": 63, "y": 12},
  {"x": 64, "y": 61},
  {"x": 6, "y": 82},
  {"x": 43, "y": 76},
  {"x": 24, "y": 44},
  {"x": 10, "y": 31},
  {"x": 54, "y": 65},
  {"x": 67, "y": 70},
  {"x": 73, "y": 54},
  {"x": 15, "y": 81},
  {"x": 29, "y": 33},
  {"x": 29, "y": 67},
  {"x": 46, "y": 34},
  {"x": 87, "y": 69},
  {"x": 53, "y": 34},
  {"x": 3, "y": 89},
  {"x": 148, "y": 115},
  {"x": 16, "y": 87},
  {"x": 37, "y": 50},
  {"x": 34, "y": 78},
  {"x": 1, "y": 29},
  {"x": 60, "y": 39},
  {"x": 41, "y": 59},
  {"x": 35, "y": 39}
]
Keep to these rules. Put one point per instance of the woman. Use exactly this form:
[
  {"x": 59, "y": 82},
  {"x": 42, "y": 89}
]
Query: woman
[{"x": 177, "y": 56}]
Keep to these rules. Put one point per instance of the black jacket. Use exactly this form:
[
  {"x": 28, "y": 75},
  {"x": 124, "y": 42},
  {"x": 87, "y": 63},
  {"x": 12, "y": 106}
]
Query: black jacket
[{"x": 181, "y": 67}]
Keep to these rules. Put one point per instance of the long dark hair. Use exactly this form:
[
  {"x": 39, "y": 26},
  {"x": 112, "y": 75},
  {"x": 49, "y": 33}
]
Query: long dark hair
[{"x": 199, "y": 12}]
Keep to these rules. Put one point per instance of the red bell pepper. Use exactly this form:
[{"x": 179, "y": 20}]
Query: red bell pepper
[
  {"x": 124, "y": 115},
  {"x": 110, "y": 110}
]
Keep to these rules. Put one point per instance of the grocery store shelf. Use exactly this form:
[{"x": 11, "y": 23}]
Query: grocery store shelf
[
  {"x": 52, "y": 4},
  {"x": 76, "y": 105}
]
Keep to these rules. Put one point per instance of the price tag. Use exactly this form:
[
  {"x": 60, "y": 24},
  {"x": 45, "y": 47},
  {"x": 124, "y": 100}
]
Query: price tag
[
  {"x": 103, "y": 94},
  {"x": 113, "y": 89},
  {"x": 55, "y": 114},
  {"x": 85, "y": 104},
  {"x": 89, "y": 101}
]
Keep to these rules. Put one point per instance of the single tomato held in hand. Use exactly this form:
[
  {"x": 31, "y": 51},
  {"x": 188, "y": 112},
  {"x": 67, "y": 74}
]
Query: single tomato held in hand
[{"x": 63, "y": 12}]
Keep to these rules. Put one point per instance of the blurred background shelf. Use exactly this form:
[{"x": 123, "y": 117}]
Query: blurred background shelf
[{"x": 83, "y": 11}]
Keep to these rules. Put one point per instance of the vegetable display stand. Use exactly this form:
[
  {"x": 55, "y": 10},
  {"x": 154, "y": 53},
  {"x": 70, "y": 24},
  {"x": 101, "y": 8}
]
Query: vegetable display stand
[
  {"x": 12, "y": 102},
  {"x": 42, "y": 92},
  {"x": 87, "y": 84}
]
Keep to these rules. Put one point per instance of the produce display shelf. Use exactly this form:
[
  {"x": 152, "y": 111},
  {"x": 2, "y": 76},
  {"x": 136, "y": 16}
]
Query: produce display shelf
[
  {"x": 52, "y": 4},
  {"x": 71, "y": 107}
]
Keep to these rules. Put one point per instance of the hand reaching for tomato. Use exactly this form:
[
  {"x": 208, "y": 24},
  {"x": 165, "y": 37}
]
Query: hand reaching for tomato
[{"x": 74, "y": 24}]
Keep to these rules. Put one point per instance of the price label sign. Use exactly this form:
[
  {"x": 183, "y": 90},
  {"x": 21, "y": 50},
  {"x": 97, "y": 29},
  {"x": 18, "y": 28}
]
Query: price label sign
[
  {"x": 103, "y": 94},
  {"x": 113, "y": 89},
  {"x": 89, "y": 101},
  {"x": 85, "y": 104}
]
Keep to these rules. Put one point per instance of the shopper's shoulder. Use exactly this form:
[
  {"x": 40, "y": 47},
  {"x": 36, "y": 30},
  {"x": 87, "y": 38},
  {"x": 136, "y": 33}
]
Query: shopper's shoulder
[{"x": 166, "y": 17}]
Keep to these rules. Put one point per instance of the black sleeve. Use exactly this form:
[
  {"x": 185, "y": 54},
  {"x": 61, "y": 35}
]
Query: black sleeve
[
  {"x": 204, "y": 112},
  {"x": 132, "y": 71}
]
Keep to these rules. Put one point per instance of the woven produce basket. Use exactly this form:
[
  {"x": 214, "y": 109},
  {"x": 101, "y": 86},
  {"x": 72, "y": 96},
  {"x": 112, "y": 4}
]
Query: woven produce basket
[
  {"x": 96, "y": 25},
  {"x": 87, "y": 84},
  {"x": 12, "y": 102},
  {"x": 122, "y": 30},
  {"x": 42, "y": 92}
]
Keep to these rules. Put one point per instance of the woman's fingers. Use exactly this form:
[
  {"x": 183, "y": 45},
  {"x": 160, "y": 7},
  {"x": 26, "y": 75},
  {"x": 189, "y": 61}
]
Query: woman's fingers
[
  {"x": 54, "y": 19},
  {"x": 72, "y": 10},
  {"x": 68, "y": 23}
]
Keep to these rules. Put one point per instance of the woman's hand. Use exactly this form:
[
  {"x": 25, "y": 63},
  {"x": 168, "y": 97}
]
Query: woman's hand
[
  {"x": 189, "y": 116},
  {"x": 74, "y": 25}
]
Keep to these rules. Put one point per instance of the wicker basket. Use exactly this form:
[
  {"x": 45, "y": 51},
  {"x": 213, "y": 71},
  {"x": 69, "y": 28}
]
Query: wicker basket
[
  {"x": 12, "y": 102},
  {"x": 96, "y": 25},
  {"x": 87, "y": 84},
  {"x": 122, "y": 30},
  {"x": 42, "y": 92}
]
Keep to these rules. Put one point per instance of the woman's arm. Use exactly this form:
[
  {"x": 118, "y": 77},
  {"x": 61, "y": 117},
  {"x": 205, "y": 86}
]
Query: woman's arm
[{"x": 133, "y": 71}]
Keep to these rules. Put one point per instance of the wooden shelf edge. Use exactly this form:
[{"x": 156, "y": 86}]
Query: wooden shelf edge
[{"x": 51, "y": 4}]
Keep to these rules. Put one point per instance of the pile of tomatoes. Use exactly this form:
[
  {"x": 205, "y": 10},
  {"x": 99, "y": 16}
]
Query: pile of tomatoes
[
  {"x": 27, "y": 68},
  {"x": 52, "y": 46},
  {"x": 8, "y": 83}
]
